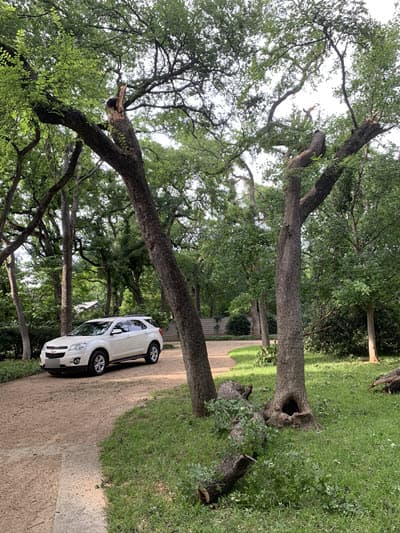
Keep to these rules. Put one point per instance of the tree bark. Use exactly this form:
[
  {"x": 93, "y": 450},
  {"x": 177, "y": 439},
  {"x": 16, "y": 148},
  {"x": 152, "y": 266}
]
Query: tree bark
[
  {"x": 68, "y": 215},
  {"x": 263, "y": 310},
  {"x": 255, "y": 318},
  {"x": 372, "y": 350},
  {"x": 230, "y": 470},
  {"x": 290, "y": 400},
  {"x": 391, "y": 381},
  {"x": 199, "y": 377},
  {"x": 290, "y": 406},
  {"x": 23, "y": 328}
]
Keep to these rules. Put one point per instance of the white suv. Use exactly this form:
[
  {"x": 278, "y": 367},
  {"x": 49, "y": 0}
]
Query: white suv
[{"x": 96, "y": 343}]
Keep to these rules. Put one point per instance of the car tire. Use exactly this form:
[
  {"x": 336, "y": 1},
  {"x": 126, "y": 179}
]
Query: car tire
[
  {"x": 153, "y": 353},
  {"x": 97, "y": 363}
]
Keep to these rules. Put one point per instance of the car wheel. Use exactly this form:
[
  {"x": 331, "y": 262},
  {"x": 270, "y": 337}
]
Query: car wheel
[
  {"x": 97, "y": 363},
  {"x": 153, "y": 353}
]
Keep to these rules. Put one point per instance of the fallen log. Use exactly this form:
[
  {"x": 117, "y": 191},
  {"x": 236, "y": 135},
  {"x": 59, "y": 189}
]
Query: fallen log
[
  {"x": 391, "y": 381},
  {"x": 231, "y": 469},
  {"x": 235, "y": 465}
]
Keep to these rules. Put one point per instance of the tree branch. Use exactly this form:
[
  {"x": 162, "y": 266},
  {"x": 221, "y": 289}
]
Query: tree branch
[
  {"x": 359, "y": 138},
  {"x": 43, "y": 204},
  {"x": 305, "y": 158},
  {"x": 343, "y": 73},
  {"x": 17, "y": 178}
]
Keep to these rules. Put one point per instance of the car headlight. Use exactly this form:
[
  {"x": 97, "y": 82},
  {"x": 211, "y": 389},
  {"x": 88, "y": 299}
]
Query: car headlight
[{"x": 78, "y": 347}]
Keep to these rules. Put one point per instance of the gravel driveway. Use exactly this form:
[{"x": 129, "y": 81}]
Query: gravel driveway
[{"x": 50, "y": 431}]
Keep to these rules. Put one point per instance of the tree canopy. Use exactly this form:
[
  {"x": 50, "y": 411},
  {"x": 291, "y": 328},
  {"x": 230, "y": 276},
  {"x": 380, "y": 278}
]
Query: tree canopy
[{"x": 180, "y": 102}]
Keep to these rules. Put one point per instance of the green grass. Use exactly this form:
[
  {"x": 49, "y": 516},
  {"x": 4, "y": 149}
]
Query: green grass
[
  {"x": 16, "y": 368},
  {"x": 341, "y": 478}
]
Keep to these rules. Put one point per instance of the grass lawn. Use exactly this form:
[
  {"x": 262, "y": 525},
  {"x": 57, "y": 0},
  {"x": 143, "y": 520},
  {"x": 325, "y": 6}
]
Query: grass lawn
[
  {"x": 341, "y": 478},
  {"x": 16, "y": 368}
]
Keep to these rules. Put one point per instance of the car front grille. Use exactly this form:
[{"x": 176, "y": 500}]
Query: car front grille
[{"x": 56, "y": 355}]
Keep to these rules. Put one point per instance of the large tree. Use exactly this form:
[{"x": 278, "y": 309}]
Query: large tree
[
  {"x": 376, "y": 52},
  {"x": 231, "y": 63},
  {"x": 182, "y": 59},
  {"x": 357, "y": 272}
]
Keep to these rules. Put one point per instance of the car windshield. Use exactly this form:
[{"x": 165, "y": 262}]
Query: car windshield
[{"x": 90, "y": 329}]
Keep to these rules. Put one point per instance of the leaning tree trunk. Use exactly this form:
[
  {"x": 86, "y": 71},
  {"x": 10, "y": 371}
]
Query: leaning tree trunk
[
  {"x": 194, "y": 350},
  {"x": 125, "y": 157},
  {"x": 23, "y": 328},
  {"x": 372, "y": 350}
]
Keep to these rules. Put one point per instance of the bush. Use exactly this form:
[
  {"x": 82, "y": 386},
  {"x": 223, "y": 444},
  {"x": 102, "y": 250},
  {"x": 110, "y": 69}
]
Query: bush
[
  {"x": 238, "y": 325},
  {"x": 267, "y": 356},
  {"x": 10, "y": 339},
  {"x": 343, "y": 332}
]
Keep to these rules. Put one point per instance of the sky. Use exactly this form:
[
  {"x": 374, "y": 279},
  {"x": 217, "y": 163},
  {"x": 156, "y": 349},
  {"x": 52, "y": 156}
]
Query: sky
[
  {"x": 381, "y": 9},
  {"x": 322, "y": 98}
]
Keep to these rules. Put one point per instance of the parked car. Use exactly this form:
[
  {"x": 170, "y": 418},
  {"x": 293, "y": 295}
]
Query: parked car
[{"x": 97, "y": 343}]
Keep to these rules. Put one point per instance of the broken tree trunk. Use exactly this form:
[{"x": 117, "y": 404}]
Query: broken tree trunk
[
  {"x": 391, "y": 381},
  {"x": 231, "y": 469},
  {"x": 234, "y": 465}
]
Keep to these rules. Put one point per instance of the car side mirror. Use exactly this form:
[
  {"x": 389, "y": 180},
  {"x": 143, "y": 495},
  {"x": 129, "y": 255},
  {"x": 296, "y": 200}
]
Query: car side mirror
[{"x": 116, "y": 331}]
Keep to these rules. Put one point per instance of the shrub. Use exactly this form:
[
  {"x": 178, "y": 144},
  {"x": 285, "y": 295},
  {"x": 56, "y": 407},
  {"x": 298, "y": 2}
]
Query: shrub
[
  {"x": 238, "y": 325},
  {"x": 266, "y": 356},
  {"x": 10, "y": 339},
  {"x": 343, "y": 332}
]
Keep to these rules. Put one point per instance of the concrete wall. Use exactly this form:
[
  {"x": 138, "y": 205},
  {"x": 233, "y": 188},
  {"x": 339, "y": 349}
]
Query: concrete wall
[{"x": 211, "y": 328}]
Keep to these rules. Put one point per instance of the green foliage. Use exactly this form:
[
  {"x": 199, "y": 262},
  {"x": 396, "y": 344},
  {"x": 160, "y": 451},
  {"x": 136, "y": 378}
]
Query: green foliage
[
  {"x": 254, "y": 433},
  {"x": 11, "y": 344},
  {"x": 238, "y": 325},
  {"x": 376, "y": 75},
  {"x": 11, "y": 369},
  {"x": 224, "y": 413},
  {"x": 292, "y": 487},
  {"x": 342, "y": 332},
  {"x": 267, "y": 355},
  {"x": 241, "y": 304},
  {"x": 315, "y": 481}
]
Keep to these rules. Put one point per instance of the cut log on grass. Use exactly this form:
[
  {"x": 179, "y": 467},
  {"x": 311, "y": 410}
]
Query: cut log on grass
[
  {"x": 235, "y": 465},
  {"x": 231, "y": 469},
  {"x": 391, "y": 381}
]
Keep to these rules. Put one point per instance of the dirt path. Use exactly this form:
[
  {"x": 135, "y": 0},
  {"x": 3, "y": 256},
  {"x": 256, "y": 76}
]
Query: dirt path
[{"x": 50, "y": 432}]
